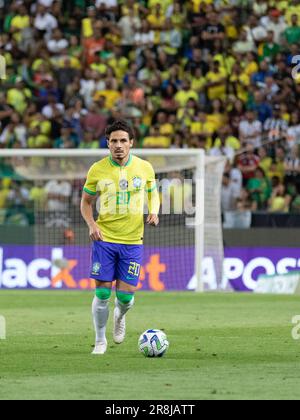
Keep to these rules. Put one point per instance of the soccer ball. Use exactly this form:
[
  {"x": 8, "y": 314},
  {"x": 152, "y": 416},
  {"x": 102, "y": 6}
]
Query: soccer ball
[{"x": 153, "y": 343}]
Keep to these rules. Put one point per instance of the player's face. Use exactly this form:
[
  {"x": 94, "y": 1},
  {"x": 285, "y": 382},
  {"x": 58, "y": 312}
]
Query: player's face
[{"x": 119, "y": 145}]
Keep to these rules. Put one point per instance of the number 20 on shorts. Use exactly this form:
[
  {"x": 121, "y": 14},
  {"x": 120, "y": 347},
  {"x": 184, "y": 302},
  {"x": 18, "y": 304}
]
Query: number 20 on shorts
[{"x": 134, "y": 269}]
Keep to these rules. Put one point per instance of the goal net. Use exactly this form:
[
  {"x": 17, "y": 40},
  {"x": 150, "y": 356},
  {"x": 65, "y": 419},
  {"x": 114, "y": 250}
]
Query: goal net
[{"x": 42, "y": 223}]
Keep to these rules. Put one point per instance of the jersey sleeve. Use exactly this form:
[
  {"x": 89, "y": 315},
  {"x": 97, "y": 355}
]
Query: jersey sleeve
[
  {"x": 152, "y": 191},
  {"x": 151, "y": 181},
  {"x": 90, "y": 186}
]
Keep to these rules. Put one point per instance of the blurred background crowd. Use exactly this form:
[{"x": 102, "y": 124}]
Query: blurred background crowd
[{"x": 220, "y": 75}]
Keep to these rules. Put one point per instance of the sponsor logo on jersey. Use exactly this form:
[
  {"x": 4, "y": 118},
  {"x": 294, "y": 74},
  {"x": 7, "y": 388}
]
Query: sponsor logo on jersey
[{"x": 123, "y": 184}]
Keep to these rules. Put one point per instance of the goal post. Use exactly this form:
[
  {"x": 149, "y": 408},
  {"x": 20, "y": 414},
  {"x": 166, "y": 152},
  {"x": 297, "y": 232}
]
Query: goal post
[
  {"x": 199, "y": 219},
  {"x": 184, "y": 253}
]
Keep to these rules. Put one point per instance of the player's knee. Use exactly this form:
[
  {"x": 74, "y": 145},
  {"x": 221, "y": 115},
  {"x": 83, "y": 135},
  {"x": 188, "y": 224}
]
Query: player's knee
[
  {"x": 103, "y": 293},
  {"x": 125, "y": 298}
]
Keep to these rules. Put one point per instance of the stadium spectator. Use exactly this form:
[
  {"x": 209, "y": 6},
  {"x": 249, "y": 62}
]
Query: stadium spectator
[
  {"x": 197, "y": 62},
  {"x": 259, "y": 188},
  {"x": 38, "y": 195},
  {"x": 292, "y": 33},
  {"x": 58, "y": 194},
  {"x": 212, "y": 31},
  {"x": 254, "y": 30},
  {"x": 44, "y": 21},
  {"x": 250, "y": 130},
  {"x": 89, "y": 141},
  {"x": 95, "y": 120},
  {"x": 229, "y": 194},
  {"x": 14, "y": 133},
  {"x": 265, "y": 160},
  {"x": 274, "y": 23},
  {"x": 248, "y": 163},
  {"x": 216, "y": 82},
  {"x": 295, "y": 206},
  {"x": 57, "y": 43},
  {"x": 261, "y": 107},
  {"x": 293, "y": 131},
  {"x": 67, "y": 139},
  {"x": 5, "y": 185},
  {"x": 269, "y": 48},
  {"x": 244, "y": 44},
  {"x": 292, "y": 166},
  {"x": 200, "y": 74},
  {"x": 260, "y": 76},
  {"x": 280, "y": 200},
  {"x": 225, "y": 144},
  {"x": 18, "y": 201}
]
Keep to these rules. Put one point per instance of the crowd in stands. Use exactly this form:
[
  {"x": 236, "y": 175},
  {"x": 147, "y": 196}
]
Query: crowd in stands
[{"x": 220, "y": 75}]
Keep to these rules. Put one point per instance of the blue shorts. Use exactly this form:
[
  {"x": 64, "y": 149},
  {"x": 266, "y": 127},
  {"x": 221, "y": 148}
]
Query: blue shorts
[{"x": 116, "y": 262}]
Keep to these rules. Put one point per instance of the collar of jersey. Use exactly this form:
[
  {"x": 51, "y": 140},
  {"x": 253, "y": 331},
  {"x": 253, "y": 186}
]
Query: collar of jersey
[{"x": 119, "y": 166}]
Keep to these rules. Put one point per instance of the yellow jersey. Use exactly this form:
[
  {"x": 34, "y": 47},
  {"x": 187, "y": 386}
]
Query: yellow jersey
[
  {"x": 20, "y": 23},
  {"x": 123, "y": 191},
  {"x": 162, "y": 141},
  {"x": 111, "y": 97},
  {"x": 219, "y": 91},
  {"x": 87, "y": 28},
  {"x": 164, "y": 4}
]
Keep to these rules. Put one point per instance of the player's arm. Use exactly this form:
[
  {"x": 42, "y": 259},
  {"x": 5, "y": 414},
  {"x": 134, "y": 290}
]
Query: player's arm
[
  {"x": 87, "y": 202},
  {"x": 89, "y": 195},
  {"x": 153, "y": 200}
]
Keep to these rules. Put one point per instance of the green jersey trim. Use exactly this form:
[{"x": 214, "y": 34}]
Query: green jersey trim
[
  {"x": 89, "y": 191},
  {"x": 152, "y": 189},
  {"x": 119, "y": 166}
]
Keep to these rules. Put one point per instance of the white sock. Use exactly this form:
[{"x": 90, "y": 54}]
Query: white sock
[
  {"x": 123, "y": 309},
  {"x": 100, "y": 309}
]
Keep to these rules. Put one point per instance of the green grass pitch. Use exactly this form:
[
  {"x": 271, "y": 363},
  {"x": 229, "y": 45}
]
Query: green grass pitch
[{"x": 222, "y": 346}]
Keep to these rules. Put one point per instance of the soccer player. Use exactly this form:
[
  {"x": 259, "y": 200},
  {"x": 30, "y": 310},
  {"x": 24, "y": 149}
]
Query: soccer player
[{"x": 122, "y": 181}]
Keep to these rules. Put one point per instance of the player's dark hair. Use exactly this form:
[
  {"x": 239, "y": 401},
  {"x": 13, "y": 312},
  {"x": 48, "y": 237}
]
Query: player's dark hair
[{"x": 120, "y": 125}]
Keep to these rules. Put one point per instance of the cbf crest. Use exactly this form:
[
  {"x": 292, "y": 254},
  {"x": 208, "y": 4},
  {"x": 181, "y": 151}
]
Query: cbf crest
[
  {"x": 96, "y": 269},
  {"x": 137, "y": 183}
]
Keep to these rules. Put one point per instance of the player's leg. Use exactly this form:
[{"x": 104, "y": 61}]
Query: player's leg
[
  {"x": 100, "y": 311},
  {"x": 124, "y": 302},
  {"x": 129, "y": 266},
  {"x": 104, "y": 259}
]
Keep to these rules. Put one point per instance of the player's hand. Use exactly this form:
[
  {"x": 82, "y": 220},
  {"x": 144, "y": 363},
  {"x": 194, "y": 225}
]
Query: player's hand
[
  {"x": 95, "y": 233},
  {"x": 153, "y": 220}
]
